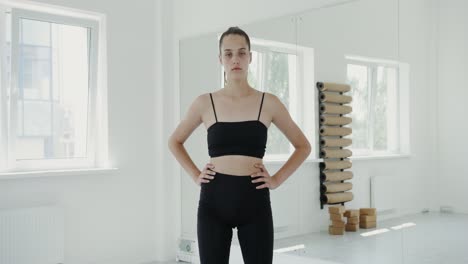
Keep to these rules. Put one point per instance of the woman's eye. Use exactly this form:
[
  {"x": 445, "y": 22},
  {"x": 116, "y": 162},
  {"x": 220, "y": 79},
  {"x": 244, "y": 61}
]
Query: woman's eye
[{"x": 228, "y": 54}]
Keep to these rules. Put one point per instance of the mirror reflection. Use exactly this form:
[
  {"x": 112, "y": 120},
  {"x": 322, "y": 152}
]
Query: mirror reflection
[{"x": 364, "y": 44}]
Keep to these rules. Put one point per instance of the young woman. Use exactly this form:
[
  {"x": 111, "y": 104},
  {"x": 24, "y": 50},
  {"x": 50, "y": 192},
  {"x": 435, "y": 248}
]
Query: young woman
[{"x": 235, "y": 184}]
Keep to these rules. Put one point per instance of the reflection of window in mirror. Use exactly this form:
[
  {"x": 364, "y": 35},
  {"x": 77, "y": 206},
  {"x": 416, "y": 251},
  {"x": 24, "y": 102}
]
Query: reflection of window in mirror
[
  {"x": 277, "y": 68},
  {"x": 376, "y": 106}
]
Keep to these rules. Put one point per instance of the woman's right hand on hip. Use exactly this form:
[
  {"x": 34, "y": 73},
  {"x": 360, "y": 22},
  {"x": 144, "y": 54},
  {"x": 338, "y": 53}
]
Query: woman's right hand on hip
[{"x": 206, "y": 174}]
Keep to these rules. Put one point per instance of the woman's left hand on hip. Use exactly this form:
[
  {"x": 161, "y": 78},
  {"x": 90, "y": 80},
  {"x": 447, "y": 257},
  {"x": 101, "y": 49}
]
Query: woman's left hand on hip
[{"x": 263, "y": 176}]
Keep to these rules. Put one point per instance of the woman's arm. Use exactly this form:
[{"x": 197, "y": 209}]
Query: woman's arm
[
  {"x": 191, "y": 121},
  {"x": 285, "y": 124}
]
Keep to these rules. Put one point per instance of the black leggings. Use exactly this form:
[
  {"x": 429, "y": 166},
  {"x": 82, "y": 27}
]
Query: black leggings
[{"x": 230, "y": 201}]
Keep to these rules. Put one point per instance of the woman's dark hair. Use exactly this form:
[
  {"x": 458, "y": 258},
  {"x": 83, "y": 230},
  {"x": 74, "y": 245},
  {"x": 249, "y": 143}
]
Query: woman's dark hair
[{"x": 234, "y": 31}]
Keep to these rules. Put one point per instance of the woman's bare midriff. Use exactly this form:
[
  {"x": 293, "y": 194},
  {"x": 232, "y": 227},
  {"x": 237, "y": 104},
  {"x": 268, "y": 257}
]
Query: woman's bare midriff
[{"x": 236, "y": 165}]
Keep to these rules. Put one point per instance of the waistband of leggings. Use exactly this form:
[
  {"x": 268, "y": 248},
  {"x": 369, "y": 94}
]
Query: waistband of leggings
[{"x": 230, "y": 176}]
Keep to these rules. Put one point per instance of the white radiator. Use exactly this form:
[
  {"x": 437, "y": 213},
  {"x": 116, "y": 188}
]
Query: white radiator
[
  {"x": 385, "y": 194},
  {"x": 32, "y": 236}
]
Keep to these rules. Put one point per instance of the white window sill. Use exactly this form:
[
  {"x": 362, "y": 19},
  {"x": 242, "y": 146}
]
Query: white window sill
[
  {"x": 383, "y": 156},
  {"x": 352, "y": 158},
  {"x": 67, "y": 172}
]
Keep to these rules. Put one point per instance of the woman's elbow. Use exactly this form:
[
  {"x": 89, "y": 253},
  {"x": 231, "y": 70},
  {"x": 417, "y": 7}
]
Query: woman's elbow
[
  {"x": 172, "y": 142},
  {"x": 307, "y": 148},
  {"x": 304, "y": 147}
]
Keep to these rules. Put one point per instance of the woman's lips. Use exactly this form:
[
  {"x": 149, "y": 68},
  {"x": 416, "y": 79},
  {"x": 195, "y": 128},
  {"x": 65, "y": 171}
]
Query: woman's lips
[{"x": 236, "y": 69}]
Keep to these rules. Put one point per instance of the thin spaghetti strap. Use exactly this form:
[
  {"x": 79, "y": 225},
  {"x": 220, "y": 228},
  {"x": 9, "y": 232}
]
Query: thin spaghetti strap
[
  {"x": 261, "y": 104},
  {"x": 212, "y": 103}
]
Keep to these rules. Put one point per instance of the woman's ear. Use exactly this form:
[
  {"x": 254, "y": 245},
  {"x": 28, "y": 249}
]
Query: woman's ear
[
  {"x": 250, "y": 57},
  {"x": 220, "y": 60}
]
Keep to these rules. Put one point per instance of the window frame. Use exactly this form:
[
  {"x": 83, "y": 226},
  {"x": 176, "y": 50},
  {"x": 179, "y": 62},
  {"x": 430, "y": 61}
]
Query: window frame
[
  {"x": 398, "y": 133},
  {"x": 96, "y": 156},
  {"x": 295, "y": 105}
]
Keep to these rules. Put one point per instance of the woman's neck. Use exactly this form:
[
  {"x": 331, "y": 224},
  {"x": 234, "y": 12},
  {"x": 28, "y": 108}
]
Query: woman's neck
[{"x": 238, "y": 89}]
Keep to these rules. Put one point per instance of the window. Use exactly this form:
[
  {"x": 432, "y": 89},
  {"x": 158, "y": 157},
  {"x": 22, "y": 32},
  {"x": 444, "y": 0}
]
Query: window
[
  {"x": 50, "y": 98},
  {"x": 274, "y": 72},
  {"x": 278, "y": 68},
  {"x": 375, "y": 88}
]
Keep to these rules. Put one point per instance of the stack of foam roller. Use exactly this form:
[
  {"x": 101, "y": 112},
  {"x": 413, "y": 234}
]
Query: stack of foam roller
[{"x": 334, "y": 127}]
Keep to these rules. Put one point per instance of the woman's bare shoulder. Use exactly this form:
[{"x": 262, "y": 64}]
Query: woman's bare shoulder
[
  {"x": 202, "y": 99},
  {"x": 216, "y": 93},
  {"x": 271, "y": 99},
  {"x": 202, "y": 102},
  {"x": 273, "y": 104}
]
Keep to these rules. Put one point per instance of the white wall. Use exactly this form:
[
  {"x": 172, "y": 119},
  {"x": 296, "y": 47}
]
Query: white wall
[
  {"x": 197, "y": 17},
  {"x": 414, "y": 175},
  {"x": 452, "y": 65},
  {"x": 112, "y": 218},
  {"x": 416, "y": 38}
]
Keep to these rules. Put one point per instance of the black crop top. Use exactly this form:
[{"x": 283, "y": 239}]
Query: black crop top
[{"x": 247, "y": 138}]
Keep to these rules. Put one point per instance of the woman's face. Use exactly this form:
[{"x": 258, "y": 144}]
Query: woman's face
[{"x": 235, "y": 56}]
